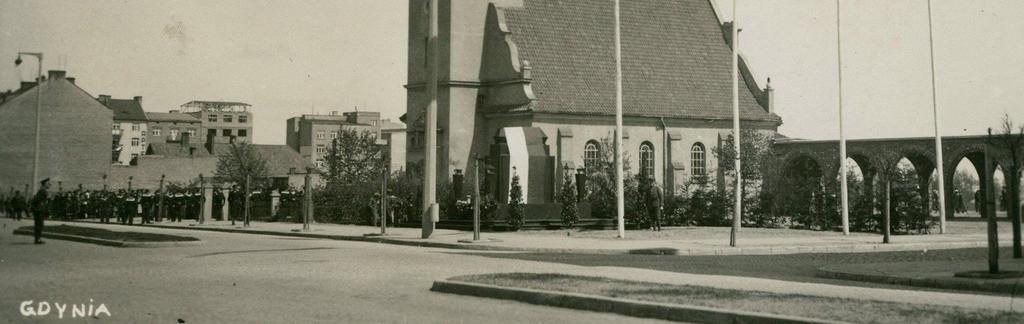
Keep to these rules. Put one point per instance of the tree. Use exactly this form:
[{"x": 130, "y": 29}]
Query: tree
[
  {"x": 570, "y": 215},
  {"x": 244, "y": 166},
  {"x": 354, "y": 164},
  {"x": 515, "y": 204},
  {"x": 1013, "y": 145},
  {"x": 601, "y": 184},
  {"x": 756, "y": 158}
]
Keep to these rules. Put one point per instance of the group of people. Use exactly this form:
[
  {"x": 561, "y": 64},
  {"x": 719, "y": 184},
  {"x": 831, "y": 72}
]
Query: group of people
[{"x": 122, "y": 206}]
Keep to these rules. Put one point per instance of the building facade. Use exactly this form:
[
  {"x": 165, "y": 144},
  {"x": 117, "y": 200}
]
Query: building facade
[
  {"x": 130, "y": 130},
  {"x": 221, "y": 119},
  {"x": 531, "y": 85},
  {"x": 394, "y": 135},
  {"x": 75, "y": 135},
  {"x": 311, "y": 135},
  {"x": 169, "y": 127}
]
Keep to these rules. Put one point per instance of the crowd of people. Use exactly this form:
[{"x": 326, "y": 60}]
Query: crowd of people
[{"x": 121, "y": 206}]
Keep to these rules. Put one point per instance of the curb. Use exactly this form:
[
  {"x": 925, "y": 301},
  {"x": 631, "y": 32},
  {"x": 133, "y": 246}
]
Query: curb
[
  {"x": 99, "y": 241},
  {"x": 627, "y": 307},
  {"x": 952, "y": 283}
]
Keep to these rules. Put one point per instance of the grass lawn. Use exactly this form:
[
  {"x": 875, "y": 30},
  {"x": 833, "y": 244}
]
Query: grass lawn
[
  {"x": 112, "y": 235},
  {"x": 841, "y": 309}
]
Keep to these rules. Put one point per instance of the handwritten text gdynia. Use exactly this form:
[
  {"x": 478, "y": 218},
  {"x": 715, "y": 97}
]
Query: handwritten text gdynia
[{"x": 44, "y": 308}]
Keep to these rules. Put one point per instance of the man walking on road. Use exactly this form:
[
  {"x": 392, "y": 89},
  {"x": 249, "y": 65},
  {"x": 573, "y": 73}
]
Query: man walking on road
[{"x": 40, "y": 209}]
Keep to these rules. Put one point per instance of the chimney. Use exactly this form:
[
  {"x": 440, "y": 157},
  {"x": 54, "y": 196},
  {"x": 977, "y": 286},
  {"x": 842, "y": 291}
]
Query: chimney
[
  {"x": 104, "y": 98},
  {"x": 56, "y": 74},
  {"x": 770, "y": 93},
  {"x": 138, "y": 99},
  {"x": 72, "y": 80}
]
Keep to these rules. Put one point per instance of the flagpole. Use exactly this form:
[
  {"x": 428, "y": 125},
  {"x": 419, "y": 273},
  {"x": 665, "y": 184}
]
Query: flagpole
[
  {"x": 938, "y": 136},
  {"x": 619, "y": 192},
  {"x": 738, "y": 209},
  {"x": 842, "y": 134},
  {"x": 430, "y": 215}
]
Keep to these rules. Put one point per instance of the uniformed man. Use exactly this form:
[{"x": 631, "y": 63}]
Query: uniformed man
[
  {"x": 147, "y": 207},
  {"x": 40, "y": 209},
  {"x": 218, "y": 204},
  {"x": 655, "y": 204},
  {"x": 131, "y": 207},
  {"x": 18, "y": 205}
]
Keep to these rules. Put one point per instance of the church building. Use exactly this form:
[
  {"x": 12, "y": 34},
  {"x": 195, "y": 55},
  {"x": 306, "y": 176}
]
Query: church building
[{"x": 530, "y": 84}]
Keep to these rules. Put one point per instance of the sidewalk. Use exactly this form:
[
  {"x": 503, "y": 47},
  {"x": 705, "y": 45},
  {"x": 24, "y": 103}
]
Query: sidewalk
[{"x": 673, "y": 241}]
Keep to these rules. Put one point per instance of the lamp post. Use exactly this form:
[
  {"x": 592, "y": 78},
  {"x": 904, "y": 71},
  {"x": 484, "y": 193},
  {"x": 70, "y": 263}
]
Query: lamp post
[{"x": 39, "y": 92}]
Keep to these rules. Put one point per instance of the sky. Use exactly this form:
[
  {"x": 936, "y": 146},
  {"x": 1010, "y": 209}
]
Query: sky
[{"x": 287, "y": 58}]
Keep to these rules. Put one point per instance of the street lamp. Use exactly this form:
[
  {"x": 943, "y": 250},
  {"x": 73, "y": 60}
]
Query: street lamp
[{"x": 39, "y": 92}]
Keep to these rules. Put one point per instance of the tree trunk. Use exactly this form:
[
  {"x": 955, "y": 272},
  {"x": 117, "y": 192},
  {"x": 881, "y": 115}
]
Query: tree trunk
[
  {"x": 1013, "y": 210},
  {"x": 990, "y": 212},
  {"x": 247, "y": 193},
  {"x": 888, "y": 211}
]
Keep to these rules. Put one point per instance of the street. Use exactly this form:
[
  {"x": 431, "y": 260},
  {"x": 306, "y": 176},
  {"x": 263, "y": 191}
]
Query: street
[{"x": 253, "y": 278}]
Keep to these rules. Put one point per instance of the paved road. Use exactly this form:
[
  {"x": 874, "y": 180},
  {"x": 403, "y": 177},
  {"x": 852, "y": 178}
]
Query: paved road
[
  {"x": 255, "y": 278},
  {"x": 790, "y": 267}
]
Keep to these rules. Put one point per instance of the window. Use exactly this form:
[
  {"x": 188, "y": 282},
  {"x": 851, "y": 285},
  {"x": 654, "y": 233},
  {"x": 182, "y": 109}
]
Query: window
[
  {"x": 156, "y": 132},
  {"x": 334, "y": 135},
  {"x": 142, "y": 140},
  {"x": 321, "y": 149},
  {"x": 243, "y": 119},
  {"x": 143, "y": 135},
  {"x": 697, "y": 160},
  {"x": 226, "y": 133},
  {"x": 590, "y": 155},
  {"x": 135, "y": 127},
  {"x": 320, "y": 135},
  {"x": 135, "y": 141},
  {"x": 192, "y": 132},
  {"x": 212, "y": 118},
  {"x": 320, "y": 163},
  {"x": 117, "y": 125},
  {"x": 646, "y": 160},
  {"x": 243, "y": 133},
  {"x": 174, "y": 133},
  {"x": 227, "y": 118}
]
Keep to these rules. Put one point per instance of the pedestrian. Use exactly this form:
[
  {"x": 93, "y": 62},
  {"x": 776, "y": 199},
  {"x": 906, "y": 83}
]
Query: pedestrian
[
  {"x": 655, "y": 204},
  {"x": 18, "y": 205},
  {"x": 40, "y": 209}
]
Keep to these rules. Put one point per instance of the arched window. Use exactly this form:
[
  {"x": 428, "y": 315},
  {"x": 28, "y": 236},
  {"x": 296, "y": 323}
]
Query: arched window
[
  {"x": 646, "y": 160},
  {"x": 697, "y": 160},
  {"x": 591, "y": 152}
]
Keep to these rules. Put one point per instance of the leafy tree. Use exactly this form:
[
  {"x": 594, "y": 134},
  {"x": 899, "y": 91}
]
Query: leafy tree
[
  {"x": 516, "y": 217},
  {"x": 756, "y": 148},
  {"x": 244, "y": 166},
  {"x": 355, "y": 165},
  {"x": 601, "y": 184},
  {"x": 570, "y": 215}
]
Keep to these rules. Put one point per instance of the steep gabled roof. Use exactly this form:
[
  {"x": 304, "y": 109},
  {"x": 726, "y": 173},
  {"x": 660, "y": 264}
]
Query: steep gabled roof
[
  {"x": 676, "y": 62},
  {"x": 126, "y": 109},
  {"x": 171, "y": 117}
]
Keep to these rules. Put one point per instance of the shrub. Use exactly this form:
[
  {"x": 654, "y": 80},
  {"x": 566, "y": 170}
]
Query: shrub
[
  {"x": 570, "y": 215},
  {"x": 516, "y": 217}
]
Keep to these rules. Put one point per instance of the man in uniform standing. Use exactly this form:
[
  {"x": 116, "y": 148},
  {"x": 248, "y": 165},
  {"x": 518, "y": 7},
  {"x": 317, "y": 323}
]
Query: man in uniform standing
[
  {"x": 40, "y": 209},
  {"x": 655, "y": 204},
  {"x": 18, "y": 205}
]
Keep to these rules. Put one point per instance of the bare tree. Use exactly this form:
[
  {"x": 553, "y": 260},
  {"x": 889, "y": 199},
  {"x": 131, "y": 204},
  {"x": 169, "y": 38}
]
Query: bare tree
[
  {"x": 1012, "y": 142},
  {"x": 242, "y": 164}
]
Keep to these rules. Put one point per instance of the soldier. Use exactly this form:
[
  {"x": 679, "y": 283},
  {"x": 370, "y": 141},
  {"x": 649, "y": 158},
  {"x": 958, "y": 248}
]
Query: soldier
[
  {"x": 102, "y": 206},
  {"x": 218, "y": 204},
  {"x": 655, "y": 204},
  {"x": 130, "y": 208},
  {"x": 147, "y": 207},
  {"x": 18, "y": 205},
  {"x": 3, "y": 205},
  {"x": 40, "y": 210}
]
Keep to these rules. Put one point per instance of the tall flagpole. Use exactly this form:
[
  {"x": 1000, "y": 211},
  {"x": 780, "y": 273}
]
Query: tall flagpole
[
  {"x": 619, "y": 192},
  {"x": 430, "y": 211},
  {"x": 738, "y": 209},
  {"x": 842, "y": 134},
  {"x": 938, "y": 136}
]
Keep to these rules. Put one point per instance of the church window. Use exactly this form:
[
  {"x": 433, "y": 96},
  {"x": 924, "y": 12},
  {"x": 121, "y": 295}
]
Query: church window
[
  {"x": 646, "y": 160},
  {"x": 698, "y": 163},
  {"x": 590, "y": 155}
]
